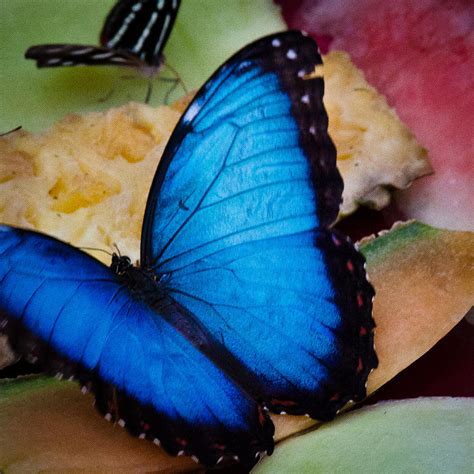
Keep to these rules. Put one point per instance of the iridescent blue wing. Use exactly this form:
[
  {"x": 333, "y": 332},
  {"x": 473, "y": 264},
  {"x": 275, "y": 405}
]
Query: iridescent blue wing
[
  {"x": 141, "y": 27},
  {"x": 73, "y": 316},
  {"x": 236, "y": 228}
]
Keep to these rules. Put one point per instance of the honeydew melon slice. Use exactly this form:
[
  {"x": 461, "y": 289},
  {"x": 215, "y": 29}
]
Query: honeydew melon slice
[
  {"x": 422, "y": 435},
  {"x": 425, "y": 284},
  {"x": 48, "y": 425}
]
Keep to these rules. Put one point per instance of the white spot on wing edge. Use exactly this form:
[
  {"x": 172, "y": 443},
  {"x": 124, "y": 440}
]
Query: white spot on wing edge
[
  {"x": 193, "y": 110},
  {"x": 291, "y": 54},
  {"x": 305, "y": 99},
  {"x": 276, "y": 43}
]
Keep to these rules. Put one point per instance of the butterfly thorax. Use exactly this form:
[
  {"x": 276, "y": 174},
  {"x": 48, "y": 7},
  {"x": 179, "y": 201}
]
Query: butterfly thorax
[
  {"x": 143, "y": 283},
  {"x": 149, "y": 287}
]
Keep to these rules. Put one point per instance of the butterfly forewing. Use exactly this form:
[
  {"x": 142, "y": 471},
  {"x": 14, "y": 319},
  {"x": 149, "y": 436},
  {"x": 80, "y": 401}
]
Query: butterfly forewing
[
  {"x": 73, "y": 316},
  {"x": 56, "y": 55},
  {"x": 237, "y": 226},
  {"x": 141, "y": 27}
]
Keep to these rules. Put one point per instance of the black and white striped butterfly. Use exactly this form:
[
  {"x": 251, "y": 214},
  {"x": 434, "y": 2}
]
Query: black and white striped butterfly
[{"x": 134, "y": 34}]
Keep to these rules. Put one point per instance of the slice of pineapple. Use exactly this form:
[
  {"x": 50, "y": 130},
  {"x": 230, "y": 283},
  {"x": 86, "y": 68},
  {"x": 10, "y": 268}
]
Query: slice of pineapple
[
  {"x": 375, "y": 150},
  {"x": 86, "y": 179}
]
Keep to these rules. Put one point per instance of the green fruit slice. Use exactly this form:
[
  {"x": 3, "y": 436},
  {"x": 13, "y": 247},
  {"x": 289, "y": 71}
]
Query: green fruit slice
[
  {"x": 205, "y": 34},
  {"x": 48, "y": 425},
  {"x": 425, "y": 285},
  {"x": 424, "y": 435}
]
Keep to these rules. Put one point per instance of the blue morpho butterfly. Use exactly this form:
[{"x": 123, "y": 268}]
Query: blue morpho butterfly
[
  {"x": 134, "y": 34},
  {"x": 244, "y": 300}
]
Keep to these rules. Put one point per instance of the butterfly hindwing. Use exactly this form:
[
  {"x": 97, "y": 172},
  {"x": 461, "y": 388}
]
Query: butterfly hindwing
[
  {"x": 76, "y": 317},
  {"x": 141, "y": 27},
  {"x": 134, "y": 34},
  {"x": 236, "y": 227}
]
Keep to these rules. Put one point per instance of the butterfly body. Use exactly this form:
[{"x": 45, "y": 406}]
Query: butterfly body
[{"x": 244, "y": 300}]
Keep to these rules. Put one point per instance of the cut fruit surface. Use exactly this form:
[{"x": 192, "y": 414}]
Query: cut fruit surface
[
  {"x": 424, "y": 282},
  {"x": 50, "y": 426},
  {"x": 424, "y": 435},
  {"x": 376, "y": 152},
  {"x": 420, "y": 55},
  {"x": 65, "y": 180}
]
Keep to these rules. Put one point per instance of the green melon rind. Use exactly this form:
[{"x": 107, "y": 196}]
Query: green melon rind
[
  {"x": 423, "y": 435},
  {"x": 205, "y": 34},
  {"x": 402, "y": 234},
  {"x": 28, "y": 385}
]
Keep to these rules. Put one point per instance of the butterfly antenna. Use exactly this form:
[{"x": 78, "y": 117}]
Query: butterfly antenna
[
  {"x": 118, "y": 250},
  {"x": 13, "y": 130},
  {"x": 95, "y": 249}
]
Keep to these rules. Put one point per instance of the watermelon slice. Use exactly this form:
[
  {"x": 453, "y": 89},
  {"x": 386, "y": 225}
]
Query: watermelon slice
[
  {"x": 424, "y": 282},
  {"x": 420, "y": 55}
]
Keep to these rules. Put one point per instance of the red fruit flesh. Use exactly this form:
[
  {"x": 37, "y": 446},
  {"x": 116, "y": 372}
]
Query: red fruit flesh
[{"x": 420, "y": 55}]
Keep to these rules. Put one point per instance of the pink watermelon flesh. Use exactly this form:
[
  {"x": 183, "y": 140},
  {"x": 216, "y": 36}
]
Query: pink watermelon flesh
[{"x": 420, "y": 55}]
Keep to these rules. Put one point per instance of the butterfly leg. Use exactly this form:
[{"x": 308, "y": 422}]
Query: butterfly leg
[
  {"x": 149, "y": 90},
  {"x": 174, "y": 84},
  {"x": 107, "y": 96},
  {"x": 178, "y": 77}
]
